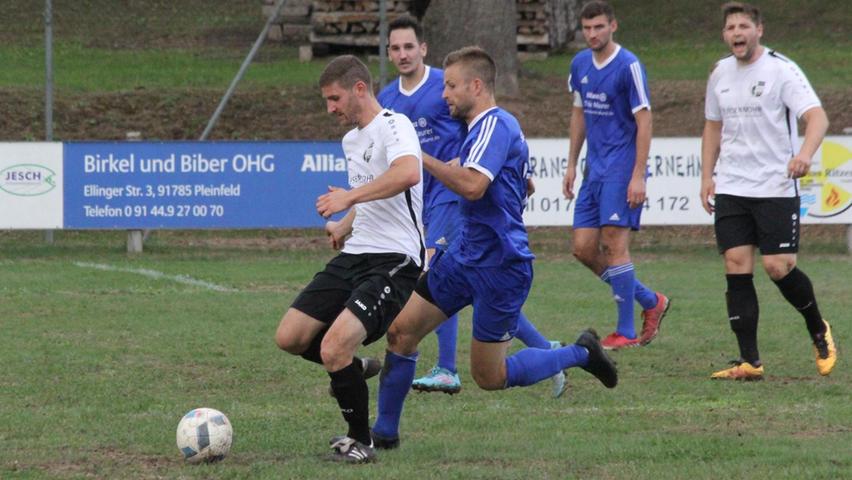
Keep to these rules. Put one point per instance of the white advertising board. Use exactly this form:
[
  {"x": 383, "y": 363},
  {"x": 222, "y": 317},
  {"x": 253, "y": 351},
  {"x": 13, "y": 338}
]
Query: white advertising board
[
  {"x": 31, "y": 185},
  {"x": 673, "y": 187}
]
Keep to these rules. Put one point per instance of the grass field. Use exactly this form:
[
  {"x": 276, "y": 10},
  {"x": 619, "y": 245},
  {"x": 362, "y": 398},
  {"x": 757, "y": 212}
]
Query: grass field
[
  {"x": 99, "y": 365},
  {"x": 102, "y": 352}
]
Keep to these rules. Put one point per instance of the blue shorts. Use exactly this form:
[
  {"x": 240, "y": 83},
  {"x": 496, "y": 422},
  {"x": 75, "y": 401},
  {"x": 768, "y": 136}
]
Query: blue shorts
[
  {"x": 496, "y": 293},
  {"x": 605, "y": 204},
  {"x": 442, "y": 225}
]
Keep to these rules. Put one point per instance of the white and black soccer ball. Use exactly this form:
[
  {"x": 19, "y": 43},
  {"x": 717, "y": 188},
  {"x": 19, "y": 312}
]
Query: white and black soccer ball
[{"x": 204, "y": 435}]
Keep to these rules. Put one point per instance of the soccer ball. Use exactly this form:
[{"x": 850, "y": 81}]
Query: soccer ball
[{"x": 204, "y": 435}]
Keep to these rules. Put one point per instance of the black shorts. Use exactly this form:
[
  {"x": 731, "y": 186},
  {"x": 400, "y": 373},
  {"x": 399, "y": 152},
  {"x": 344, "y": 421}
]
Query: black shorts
[
  {"x": 772, "y": 224},
  {"x": 373, "y": 286}
]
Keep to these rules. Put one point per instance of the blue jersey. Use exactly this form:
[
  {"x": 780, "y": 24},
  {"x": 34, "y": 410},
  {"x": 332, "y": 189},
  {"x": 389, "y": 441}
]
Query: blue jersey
[
  {"x": 611, "y": 94},
  {"x": 440, "y": 134},
  {"x": 493, "y": 232}
]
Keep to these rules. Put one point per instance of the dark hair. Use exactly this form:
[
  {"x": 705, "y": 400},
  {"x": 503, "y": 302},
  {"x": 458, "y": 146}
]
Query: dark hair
[
  {"x": 405, "y": 22},
  {"x": 597, "y": 7},
  {"x": 477, "y": 61},
  {"x": 346, "y": 70},
  {"x": 733, "y": 8}
]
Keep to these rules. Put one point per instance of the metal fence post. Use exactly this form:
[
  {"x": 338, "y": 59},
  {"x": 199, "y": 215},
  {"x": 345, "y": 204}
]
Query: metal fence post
[
  {"x": 135, "y": 238},
  {"x": 48, "y": 85},
  {"x": 383, "y": 43}
]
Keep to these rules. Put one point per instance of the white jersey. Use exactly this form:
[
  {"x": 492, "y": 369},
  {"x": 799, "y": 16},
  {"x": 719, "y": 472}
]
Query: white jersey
[
  {"x": 758, "y": 105},
  {"x": 388, "y": 225}
]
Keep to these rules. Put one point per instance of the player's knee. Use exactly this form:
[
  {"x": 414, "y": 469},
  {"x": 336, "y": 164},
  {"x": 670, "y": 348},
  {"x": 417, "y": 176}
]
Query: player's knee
[
  {"x": 778, "y": 268},
  {"x": 399, "y": 342},
  {"x": 288, "y": 342},
  {"x": 334, "y": 355},
  {"x": 585, "y": 256},
  {"x": 393, "y": 336},
  {"x": 488, "y": 380}
]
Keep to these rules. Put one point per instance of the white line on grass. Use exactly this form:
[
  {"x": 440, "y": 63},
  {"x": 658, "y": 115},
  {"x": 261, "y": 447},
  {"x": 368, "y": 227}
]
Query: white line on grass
[{"x": 157, "y": 275}]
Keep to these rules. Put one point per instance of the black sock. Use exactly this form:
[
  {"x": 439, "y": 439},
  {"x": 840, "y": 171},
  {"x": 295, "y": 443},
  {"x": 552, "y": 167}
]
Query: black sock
[
  {"x": 799, "y": 291},
  {"x": 743, "y": 313},
  {"x": 350, "y": 389},
  {"x": 312, "y": 353}
]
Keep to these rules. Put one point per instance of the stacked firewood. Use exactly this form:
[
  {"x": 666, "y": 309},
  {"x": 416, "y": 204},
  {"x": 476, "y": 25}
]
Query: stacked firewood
[
  {"x": 533, "y": 23},
  {"x": 351, "y": 22},
  {"x": 356, "y": 22}
]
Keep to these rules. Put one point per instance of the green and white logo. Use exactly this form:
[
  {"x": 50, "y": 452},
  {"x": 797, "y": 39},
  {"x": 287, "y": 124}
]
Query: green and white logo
[{"x": 27, "y": 180}]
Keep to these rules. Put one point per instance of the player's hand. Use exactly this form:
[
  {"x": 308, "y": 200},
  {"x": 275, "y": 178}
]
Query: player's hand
[
  {"x": 798, "y": 167},
  {"x": 636, "y": 192},
  {"x": 530, "y": 187},
  {"x": 708, "y": 193},
  {"x": 568, "y": 183},
  {"x": 336, "y": 234},
  {"x": 336, "y": 200}
]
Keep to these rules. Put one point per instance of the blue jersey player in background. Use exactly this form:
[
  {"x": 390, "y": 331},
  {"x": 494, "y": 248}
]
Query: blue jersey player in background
[
  {"x": 489, "y": 266},
  {"x": 612, "y": 112},
  {"x": 417, "y": 94}
]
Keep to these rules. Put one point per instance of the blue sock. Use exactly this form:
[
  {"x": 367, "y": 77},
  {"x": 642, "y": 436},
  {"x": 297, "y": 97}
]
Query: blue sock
[
  {"x": 394, "y": 384},
  {"x": 448, "y": 333},
  {"x": 622, "y": 279},
  {"x": 532, "y": 365},
  {"x": 529, "y": 335},
  {"x": 646, "y": 297}
]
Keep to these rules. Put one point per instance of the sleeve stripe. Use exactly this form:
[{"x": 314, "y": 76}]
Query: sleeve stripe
[
  {"x": 482, "y": 139},
  {"x": 479, "y": 168},
  {"x": 636, "y": 70}
]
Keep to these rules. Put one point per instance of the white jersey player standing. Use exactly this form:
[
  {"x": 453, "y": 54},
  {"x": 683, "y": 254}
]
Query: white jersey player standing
[{"x": 750, "y": 139}]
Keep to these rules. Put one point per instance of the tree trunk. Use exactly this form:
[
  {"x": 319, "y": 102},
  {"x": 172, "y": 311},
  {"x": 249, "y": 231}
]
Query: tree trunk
[
  {"x": 564, "y": 22},
  {"x": 491, "y": 24}
]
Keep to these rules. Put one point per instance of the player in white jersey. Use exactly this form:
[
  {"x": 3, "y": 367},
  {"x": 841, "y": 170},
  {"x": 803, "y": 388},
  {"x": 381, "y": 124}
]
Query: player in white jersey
[
  {"x": 750, "y": 138},
  {"x": 361, "y": 290}
]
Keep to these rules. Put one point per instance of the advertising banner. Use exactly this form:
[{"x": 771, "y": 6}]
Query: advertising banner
[
  {"x": 149, "y": 185},
  {"x": 675, "y": 181},
  {"x": 31, "y": 185},
  {"x": 198, "y": 184}
]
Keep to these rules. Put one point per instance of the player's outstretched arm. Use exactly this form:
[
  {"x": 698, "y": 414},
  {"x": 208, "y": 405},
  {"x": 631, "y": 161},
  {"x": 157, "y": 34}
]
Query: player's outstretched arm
[
  {"x": 403, "y": 173},
  {"x": 816, "y": 124},
  {"x": 710, "y": 143},
  {"x": 467, "y": 182}
]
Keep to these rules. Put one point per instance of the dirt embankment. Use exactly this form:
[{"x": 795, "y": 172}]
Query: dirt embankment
[{"x": 298, "y": 113}]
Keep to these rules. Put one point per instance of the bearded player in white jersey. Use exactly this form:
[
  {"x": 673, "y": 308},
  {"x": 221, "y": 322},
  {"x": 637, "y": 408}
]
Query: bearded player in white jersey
[
  {"x": 754, "y": 97},
  {"x": 355, "y": 299}
]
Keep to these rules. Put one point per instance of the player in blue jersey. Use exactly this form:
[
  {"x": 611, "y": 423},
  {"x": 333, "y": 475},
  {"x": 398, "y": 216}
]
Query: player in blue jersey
[
  {"x": 417, "y": 94},
  {"x": 489, "y": 266},
  {"x": 612, "y": 113}
]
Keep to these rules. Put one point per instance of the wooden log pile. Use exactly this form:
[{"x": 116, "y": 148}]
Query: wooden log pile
[
  {"x": 533, "y": 23},
  {"x": 351, "y": 22},
  {"x": 356, "y": 22}
]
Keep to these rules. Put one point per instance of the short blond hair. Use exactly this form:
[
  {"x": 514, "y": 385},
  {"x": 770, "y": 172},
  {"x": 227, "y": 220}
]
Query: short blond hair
[{"x": 477, "y": 62}]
